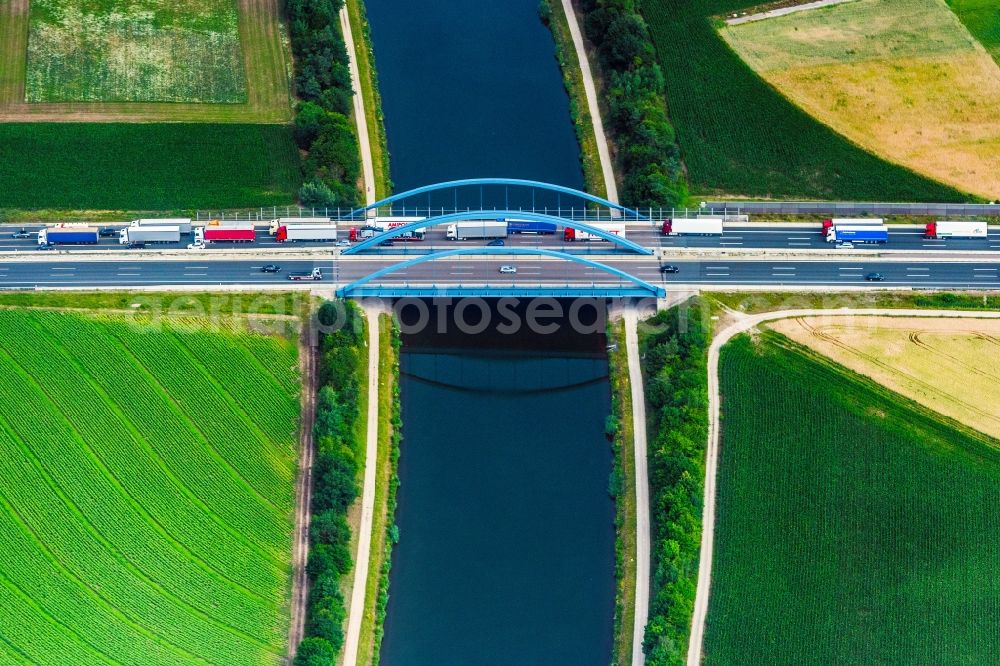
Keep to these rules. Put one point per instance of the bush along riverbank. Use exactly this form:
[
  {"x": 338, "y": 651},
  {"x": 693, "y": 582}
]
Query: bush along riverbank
[
  {"x": 323, "y": 84},
  {"x": 675, "y": 370},
  {"x": 648, "y": 158},
  {"x": 622, "y": 488},
  {"x": 338, "y": 457},
  {"x": 557, "y": 21}
]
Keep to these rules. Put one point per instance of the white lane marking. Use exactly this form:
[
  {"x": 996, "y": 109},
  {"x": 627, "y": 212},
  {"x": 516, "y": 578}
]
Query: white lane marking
[
  {"x": 195, "y": 274},
  {"x": 851, "y": 268},
  {"x": 799, "y": 244},
  {"x": 196, "y": 268},
  {"x": 985, "y": 269},
  {"x": 725, "y": 243},
  {"x": 62, "y": 269},
  {"x": 462, "y": 273},
  {"x": 716, "y": 274},
  {"x": 799, "y": 239},
  {"x": 917, "y": 268},
  {"x": 716, "y": 268}
]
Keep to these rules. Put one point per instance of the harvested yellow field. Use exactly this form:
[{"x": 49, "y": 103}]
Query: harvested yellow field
[
  {"x": 902, "y": 78},
  {"x": 949, "y": 365}
]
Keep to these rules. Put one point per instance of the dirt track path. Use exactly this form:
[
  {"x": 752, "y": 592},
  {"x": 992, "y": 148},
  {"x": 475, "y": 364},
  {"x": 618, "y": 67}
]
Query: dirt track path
[
  {"x": 303, "y": 492},
  {"x": 743, "y": 323}
]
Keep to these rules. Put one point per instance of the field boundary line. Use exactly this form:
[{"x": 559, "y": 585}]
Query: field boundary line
[
  {"x": 783, "y": 11},
  {"x": 303, "y": 492},
  {"x": 362, "y": 558},
  {"x": 742, "y": 324}
]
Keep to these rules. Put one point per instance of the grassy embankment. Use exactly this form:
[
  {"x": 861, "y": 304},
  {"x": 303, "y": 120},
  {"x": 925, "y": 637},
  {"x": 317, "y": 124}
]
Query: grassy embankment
[
  {"x": 365, "y": 57},
  {"x": 755, "y": 302},
  {"x": 947, "y": 365},
  {"x": 854, "y": 525},
  {"x": 384, "y": 534},
  {"x": 673, "y": 346},
  {"x": 740, "y": 137},
  {"x": 164, "y": 304},
  {"x": 552, "y": 14},
  {"x": 876, "y": 72},
  {"x": 147, "y": 493},
  {"x": 623, "y": 486}
]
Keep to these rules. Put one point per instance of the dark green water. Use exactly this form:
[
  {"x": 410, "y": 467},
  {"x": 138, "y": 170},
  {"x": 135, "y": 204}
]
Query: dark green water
[{"x": 506, "y": 551}]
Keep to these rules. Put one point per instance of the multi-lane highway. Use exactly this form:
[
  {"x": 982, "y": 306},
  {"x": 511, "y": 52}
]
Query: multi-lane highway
[
  {"x": 792, "y": 237},
  {"x": 478, "y": 270}
]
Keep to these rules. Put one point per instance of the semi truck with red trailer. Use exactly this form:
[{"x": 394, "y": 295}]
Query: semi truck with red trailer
[
  {"x": 314, "y": 233},
  {"x": 616, "y": 228},
  {"x": 230, "y": 232},
  {"x": 947, "y": 229},
  {"x": 692, "y": 226},
  {"x": 62, "y": 234}
]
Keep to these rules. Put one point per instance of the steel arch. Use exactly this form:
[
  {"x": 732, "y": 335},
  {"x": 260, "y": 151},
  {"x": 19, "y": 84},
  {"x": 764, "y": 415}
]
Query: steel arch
[
  {"x": 494, "y": 214},
  {"x": 500, "y": 251},
  {"x": 517, "y": 182}
]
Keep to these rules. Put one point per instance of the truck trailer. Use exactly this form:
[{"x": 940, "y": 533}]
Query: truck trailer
[
  {"x": 700, "y": 226},
  {"x": 214, "y": 232},
  {"x": 529, "y": 227},
  {"x": 477, "y": 230},
  {"x": 315, "y": 275},
  {"x": 296, "y": 221},
  {"x": 946, "y": 229},
  {"x": 315, "y": 233},
  {"x": 865, "y": 233},
  {"x": 850, "y": 222},
  {"x": 182, "y": 223},
  {"x": 361, "y": 233},
  {"x": 150, "y": 234},
  {"x": 391, "y": 223},
  {"x": 68, "y": 235},
  {"x": 616, "y": 228}
]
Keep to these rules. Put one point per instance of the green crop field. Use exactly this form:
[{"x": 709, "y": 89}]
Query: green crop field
[
  {"x": 854, "y": 527},
  {"x": 739, "y": 136},
  {"x": 146, "y": 166},
  {"x": 982, "y": 18},
  {"x": 146, "y": 491},
  {"x": 140, "y": 51}
]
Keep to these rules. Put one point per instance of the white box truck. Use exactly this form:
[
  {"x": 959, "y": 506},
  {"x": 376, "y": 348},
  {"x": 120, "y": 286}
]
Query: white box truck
[
  {"x": 316, "y": 233},
  {"x": 477, "y": 229},
  {"x": 295, "y": 221},
  {"x": 182, "y": 223},
  {"x": 687, "y": 226}
]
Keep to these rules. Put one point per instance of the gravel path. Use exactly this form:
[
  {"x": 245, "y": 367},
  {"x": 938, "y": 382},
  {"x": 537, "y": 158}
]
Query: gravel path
[
  {"x": 783, "y": 11},
  {"x": 364, "y": 141}
]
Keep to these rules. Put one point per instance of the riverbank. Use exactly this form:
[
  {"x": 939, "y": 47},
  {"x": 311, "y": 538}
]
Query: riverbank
[
  {"x": 552, "y": 14},
  {"x": 386, "y": 481},
  {"x": 620, "y": 427},
  {"x": 371, "y": 100}
]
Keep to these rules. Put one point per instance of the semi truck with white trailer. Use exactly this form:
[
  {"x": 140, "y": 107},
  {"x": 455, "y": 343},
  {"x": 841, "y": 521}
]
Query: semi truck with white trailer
[
  {"x": 948, "y": 229},
  {"x": 314, "y": 233},
  {"x": 150, "y": 234},
  {"x": 183, "y": 224},
  {"x": 315, "y": 275},
  {"x": 68, "y": 234},
  {"x": 615, "y": 228},
  {"x": 687, "y": 226},
  {"x": 850, "y": 222},
  {"x": 477, "y": 230},
  {"x": 296, "y": 221}
]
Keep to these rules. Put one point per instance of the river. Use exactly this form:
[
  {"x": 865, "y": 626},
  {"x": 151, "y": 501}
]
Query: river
[{"x": 506, "y": 550}]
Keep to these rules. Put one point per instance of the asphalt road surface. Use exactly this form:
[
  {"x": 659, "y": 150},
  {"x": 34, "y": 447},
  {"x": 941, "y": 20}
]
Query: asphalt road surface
[
  {"x": 530, "y": 270},
  {"x": 647, "y": 235}
]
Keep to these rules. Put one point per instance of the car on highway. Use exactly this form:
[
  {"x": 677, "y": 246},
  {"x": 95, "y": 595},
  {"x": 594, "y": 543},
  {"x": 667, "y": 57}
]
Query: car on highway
[
  {"x": 874, "y": 277},
  {"x": 343, "y": 242},
  {"x": 23, "y": 233},
  {"x": 196, "y": 246},
  {"x": 669, "y": 268},
  {"x": 46, "y": 246},
  {"x": 507, "y": 268},
  {"x": 270, "y": 268},
  {"x": 108, "y": 232},
  {"x": 496, "y": 242},
  {"x": 845, "y": 245},
  {"x": 136, "y": 246},
  {"x": 386, "y": 243}
]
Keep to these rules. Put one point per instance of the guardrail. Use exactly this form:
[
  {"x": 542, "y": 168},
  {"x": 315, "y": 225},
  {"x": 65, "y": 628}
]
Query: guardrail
[{"x": 850, "y": 208}]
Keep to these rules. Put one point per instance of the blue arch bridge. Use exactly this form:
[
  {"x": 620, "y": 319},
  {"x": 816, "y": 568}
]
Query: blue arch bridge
[{"x": 599, "y": 280}]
